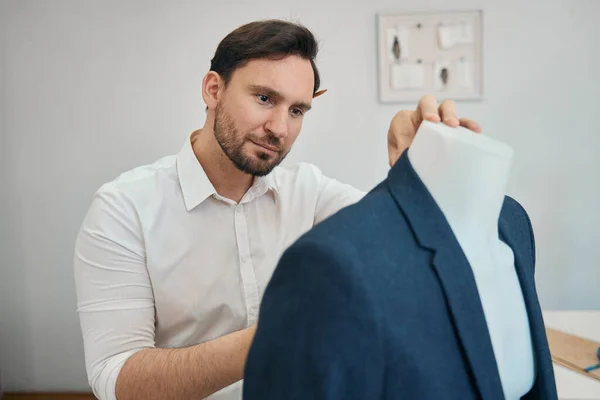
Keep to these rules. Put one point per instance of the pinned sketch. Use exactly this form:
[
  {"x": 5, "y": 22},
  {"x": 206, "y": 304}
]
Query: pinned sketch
[
  {"x": 397, "y": 44},
  {"x": 450, "y": 35},
  {"x": 396, "y": 48},
  {"x": 407, "y": 76},
  {"x": 464, "y": 73},
  {"x": 441, "y": 75}
]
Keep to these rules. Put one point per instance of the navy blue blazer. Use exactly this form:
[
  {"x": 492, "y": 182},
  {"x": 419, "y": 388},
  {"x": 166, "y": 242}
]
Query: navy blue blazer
[{"x": 379, "y": 302}]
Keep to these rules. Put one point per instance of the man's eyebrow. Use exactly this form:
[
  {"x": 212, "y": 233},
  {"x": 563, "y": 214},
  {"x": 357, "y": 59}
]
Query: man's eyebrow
[
  {"x": 274, "y": 94},
  {"x": 304, "y": 106}
]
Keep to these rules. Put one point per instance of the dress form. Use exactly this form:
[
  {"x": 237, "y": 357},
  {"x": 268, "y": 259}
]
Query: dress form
[{"x": 467, "y": 174}]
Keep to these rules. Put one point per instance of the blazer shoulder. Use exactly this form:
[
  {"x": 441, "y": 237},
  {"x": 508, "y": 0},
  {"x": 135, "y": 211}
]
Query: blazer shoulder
[
  {"x": 518, "y": 219},
  {"x": 515, "y": 214},
  {"x": 512, "y": 206}
]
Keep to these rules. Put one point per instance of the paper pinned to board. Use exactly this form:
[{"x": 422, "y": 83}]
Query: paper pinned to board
[
  {"x": 404, "y": 35},
  {"x": 450, "y": 35},
  {"x": 398, "y": 44},
  {"x": 407, "y": 76},
  {"x": 441, "y": 71},
  {"x": 464, "y": 73}
]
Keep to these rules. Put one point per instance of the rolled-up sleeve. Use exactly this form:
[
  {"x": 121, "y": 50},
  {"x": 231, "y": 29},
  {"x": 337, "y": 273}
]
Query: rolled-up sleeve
[{"x": 115, "y": 301}]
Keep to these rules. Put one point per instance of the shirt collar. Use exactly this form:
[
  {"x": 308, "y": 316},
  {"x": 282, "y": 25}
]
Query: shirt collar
[
  {"x": 195, "y": 185},
  {"x": 265, "y": 183}
]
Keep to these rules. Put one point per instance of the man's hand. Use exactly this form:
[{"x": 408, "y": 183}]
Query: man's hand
[{"x": 404, "y": 125}]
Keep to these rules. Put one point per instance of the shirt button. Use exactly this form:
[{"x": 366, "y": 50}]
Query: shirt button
[
  {"x": 238, "y": 210},
  {"x": 245, "y": 259}
]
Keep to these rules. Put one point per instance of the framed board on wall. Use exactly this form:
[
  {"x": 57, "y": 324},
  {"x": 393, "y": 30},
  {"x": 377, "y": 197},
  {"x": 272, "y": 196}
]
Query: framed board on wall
[{"x": 430, "y": 53}]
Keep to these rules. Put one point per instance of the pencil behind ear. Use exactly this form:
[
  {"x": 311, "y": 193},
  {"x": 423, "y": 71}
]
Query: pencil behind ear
[{"x": 320, "y": 92}]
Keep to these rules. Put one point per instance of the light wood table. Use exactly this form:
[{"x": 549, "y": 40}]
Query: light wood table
[{"x": 570, "y": 384}]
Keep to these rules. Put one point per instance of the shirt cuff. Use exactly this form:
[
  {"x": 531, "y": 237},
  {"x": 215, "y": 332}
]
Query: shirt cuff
[{"x": 105, "y": 383}]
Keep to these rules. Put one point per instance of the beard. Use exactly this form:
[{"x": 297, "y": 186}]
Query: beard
[{"x": 232, "y": 144}]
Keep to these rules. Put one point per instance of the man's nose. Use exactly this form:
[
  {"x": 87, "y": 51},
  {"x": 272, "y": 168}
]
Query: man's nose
[{"x": 277, "y": 123}]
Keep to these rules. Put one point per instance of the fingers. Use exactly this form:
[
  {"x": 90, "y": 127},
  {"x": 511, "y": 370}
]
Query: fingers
[
  {"x": 427, "y": 110},
  {"x": 470, "y": 124},
  {"x": 447, "y": 113}
]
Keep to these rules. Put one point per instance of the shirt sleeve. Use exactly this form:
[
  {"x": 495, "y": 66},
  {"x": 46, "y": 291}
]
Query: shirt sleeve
[
  {"x": 333, "y": 196},
  {"x": 115, "y": 302}
]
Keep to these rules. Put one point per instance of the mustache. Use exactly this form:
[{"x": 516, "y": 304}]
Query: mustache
[{"x": 270, "y": 140}]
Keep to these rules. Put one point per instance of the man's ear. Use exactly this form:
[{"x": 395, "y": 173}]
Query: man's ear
[
  {"x": 320, "y": 92},
  {"x": 212, "y": 85}
]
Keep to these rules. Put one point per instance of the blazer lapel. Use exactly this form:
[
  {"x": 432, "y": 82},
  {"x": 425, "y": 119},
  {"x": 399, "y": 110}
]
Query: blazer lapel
[
  {"x": 453, "y": 271},
  {"x": 544, "y": 386}
]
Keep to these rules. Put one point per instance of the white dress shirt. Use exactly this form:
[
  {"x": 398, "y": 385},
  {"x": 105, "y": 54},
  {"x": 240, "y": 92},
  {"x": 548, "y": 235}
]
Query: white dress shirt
[{"x": 163, "y": 261}]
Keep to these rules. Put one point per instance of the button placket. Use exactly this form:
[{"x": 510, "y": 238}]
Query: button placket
[{"x": 246, "y": 267}]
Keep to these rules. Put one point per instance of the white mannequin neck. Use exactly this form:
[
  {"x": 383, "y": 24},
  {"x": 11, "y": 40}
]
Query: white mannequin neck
[{"x": 466, "y": 173}]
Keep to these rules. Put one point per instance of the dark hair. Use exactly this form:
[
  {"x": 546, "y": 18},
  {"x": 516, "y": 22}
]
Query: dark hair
[{"x": 272, "y": 39}]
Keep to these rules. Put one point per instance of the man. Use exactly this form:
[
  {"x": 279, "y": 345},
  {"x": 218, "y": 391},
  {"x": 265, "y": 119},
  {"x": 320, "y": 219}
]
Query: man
[{"x": 172, "y": 258}]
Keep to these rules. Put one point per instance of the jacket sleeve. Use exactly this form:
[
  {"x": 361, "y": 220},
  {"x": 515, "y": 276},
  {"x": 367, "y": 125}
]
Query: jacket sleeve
[{"x": 318, "y": 335}]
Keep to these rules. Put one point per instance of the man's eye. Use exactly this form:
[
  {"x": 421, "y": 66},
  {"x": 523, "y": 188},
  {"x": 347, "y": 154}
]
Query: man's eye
[
  {"x": 263, "y": 98},
  {"x": 297, "y": 112}
]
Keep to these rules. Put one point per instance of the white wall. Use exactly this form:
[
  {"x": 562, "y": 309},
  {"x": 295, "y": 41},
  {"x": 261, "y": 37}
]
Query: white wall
[{"x": 89, "y": 89}]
